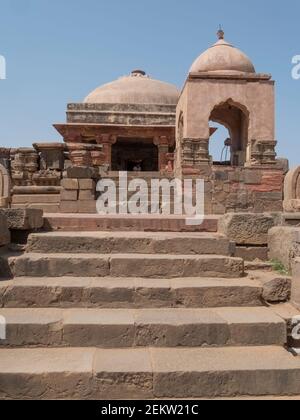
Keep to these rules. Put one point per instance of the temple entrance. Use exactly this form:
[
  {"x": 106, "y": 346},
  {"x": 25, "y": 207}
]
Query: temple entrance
[{"x": 135, "y": 155}]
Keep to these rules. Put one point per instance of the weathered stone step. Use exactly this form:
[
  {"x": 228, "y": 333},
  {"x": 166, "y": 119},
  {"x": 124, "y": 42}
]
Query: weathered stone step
[
  {"x": 143, "y": 223},
  {"x": 131, "y": 242},
  {"x": 129, "y": 292},
  {"x": 154, "y": 373},
  {"x": 142, "y": 327},
  {"x": 127, "y": 265}
]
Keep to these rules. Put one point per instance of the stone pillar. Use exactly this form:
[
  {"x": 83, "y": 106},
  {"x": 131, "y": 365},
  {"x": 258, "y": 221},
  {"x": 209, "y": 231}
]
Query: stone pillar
[
  {"x": 162, "y": 143},
  {"x": 107, "y": 141},
  {"x": 80, "y": 154},
  {"x": 83, "y": 154},
  {"x": 194, "y": 155}
]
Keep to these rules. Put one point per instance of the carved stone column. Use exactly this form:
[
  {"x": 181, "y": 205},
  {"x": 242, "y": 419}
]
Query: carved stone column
[
  {"x": 107, "y": 141},
  {"x": 162, "y": 143}
]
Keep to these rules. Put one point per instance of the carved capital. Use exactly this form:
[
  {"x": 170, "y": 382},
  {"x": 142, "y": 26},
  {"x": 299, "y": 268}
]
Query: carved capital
[
  {"x": 263, "y": 152},
  {"x": 161, "y": 141},
  {"x": 194, "y": 151},
  {"x": 106, "y": 139}
]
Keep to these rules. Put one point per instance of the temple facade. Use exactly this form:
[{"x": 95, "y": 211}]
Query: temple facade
[{"x": 150, "y": 129}]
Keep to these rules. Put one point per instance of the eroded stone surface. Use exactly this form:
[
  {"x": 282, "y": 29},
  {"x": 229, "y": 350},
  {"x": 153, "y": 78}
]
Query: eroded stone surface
[
  {"x": 24, "y": 219},
  {"x": 116, "y": 293},
  {"x": 284, "y": 244},
  {"x": 247, "y": 229},
  {"x": 277, "y": 290}
]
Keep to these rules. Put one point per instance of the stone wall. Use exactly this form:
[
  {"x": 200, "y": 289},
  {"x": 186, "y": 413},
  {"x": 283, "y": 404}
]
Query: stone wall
[
  {"x": 122, "y": 114},
  {"x": 256, "y": 189},
  {"x": 36, "y": 175},
  {"x": 241, "y": 189}
]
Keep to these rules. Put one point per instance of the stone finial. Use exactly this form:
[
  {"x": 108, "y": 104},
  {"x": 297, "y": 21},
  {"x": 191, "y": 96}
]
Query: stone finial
[
  {"x": 138, "y": 73},
  {"x": 220, "y": 33}
]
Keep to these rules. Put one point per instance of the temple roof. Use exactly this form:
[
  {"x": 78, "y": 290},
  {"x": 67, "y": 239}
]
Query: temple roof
[
  {"x": 138, "y": 88},
  {"x": 223, "y": 57}
]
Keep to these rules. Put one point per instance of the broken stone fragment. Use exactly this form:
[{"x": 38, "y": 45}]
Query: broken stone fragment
[
  {"x": 247, "y": 228},
  {"x": 277, "y": 290},
  {"x": 23, "y": 219}
]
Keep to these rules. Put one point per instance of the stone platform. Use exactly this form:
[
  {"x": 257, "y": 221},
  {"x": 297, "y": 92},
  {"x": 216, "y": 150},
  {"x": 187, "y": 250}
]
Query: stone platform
[{"x": 142, "y": 223}]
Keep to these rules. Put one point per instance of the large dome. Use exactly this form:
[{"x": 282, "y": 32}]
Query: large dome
[
  {"x": 138, "y": 88},
  {"x": 223, "y": 57}
]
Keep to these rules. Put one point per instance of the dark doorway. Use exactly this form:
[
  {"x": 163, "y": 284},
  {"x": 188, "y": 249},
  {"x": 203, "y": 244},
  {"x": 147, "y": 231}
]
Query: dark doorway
[{"x": 131, "y": 154}]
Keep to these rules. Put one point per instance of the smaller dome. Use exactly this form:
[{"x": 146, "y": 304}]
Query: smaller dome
[
  {"x": 138, "y": 88},
  {"x": 223, "y": 57}
]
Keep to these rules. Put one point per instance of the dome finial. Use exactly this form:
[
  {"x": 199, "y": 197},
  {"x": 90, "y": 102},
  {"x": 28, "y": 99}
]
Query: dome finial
[
  {"x": 220, "y": 33},
  {"x": 138, "y": 73}
]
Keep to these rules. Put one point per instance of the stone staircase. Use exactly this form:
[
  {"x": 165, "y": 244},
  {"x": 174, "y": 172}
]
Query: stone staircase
[{"x": 139, "y": 315}]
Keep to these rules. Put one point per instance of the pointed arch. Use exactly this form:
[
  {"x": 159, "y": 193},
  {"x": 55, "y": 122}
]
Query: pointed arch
[{"x": 235, "y": 117}]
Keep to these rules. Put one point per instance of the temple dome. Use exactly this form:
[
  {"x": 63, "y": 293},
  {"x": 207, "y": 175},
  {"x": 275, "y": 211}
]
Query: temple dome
[
  {"x": 224, "y": 58},
  {"x": 138, "y": 88}
]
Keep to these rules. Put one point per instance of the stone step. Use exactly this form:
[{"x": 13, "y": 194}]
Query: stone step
[
  {"x": 143, "y": 223},
  {"x": 127, "y": 265},
  {"x": 106, "y": 374},
  {"x": 120, "y": 328},
  {"x": 132, "y": 242},
  {"x": 66, "y": 292}
]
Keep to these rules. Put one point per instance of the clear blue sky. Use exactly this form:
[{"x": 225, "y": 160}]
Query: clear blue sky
[{"x": 57, "y": 51}]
